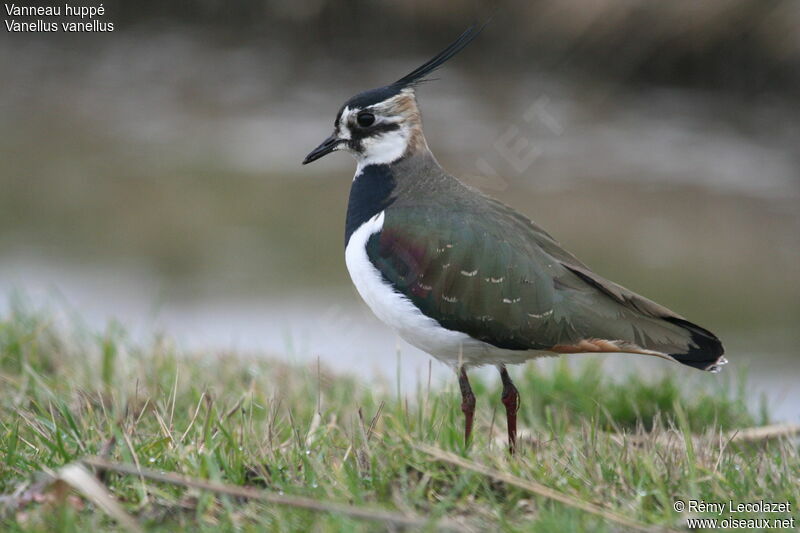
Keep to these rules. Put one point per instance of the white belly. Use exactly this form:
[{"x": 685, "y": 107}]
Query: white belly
[{"x": 397, "y": 311}]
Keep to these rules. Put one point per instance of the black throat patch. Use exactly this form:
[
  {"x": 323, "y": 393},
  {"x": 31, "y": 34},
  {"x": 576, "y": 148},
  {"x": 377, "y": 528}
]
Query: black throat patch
[{"x": 371, "y": 193}]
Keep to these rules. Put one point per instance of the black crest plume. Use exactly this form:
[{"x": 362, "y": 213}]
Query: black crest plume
[{"x": 418, "y": 75}]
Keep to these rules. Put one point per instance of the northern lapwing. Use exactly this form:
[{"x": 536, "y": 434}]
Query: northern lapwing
[{"x": 468, "y": 279}]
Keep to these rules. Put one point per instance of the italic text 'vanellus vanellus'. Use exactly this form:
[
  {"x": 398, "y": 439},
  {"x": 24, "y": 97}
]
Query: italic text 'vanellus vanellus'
[{"x": 468, "y": 279}]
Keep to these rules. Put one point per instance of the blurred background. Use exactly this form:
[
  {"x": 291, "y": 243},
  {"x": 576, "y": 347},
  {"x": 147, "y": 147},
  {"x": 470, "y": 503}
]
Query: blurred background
[{"x": 152, "y": 174}]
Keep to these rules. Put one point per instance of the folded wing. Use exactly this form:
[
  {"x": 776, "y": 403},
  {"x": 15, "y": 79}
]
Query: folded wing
[{"x": 491, "y": 273}]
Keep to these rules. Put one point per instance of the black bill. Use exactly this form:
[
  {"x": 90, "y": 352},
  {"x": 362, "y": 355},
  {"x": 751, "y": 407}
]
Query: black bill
[{"x": 327, "y": 146}]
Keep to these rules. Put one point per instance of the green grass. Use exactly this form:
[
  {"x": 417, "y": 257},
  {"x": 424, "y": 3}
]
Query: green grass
[{"x": 629, "y": 446}]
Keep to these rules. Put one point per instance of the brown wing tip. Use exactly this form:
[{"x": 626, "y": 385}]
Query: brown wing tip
[
  {"x": 618, "y": 346},
  {"x": 605, "y": 346}
]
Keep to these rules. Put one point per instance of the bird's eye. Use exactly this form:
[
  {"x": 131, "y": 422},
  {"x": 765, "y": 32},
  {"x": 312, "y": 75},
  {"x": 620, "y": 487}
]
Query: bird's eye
[{"x": 365, "y": 119}]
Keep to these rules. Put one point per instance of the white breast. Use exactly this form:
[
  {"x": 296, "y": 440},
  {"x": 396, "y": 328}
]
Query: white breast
[{"x": 397, "y": 311}]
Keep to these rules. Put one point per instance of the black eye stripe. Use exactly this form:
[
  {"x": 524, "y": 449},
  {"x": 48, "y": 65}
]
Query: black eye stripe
[
  {"x": 358, "y": 134},
  {"x": 376, "y": 129}
]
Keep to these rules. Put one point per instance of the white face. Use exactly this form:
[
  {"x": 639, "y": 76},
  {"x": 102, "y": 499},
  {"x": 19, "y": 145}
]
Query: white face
[
  {"x": 371, "y": 146},
  {"x": 379, "y": 134}
]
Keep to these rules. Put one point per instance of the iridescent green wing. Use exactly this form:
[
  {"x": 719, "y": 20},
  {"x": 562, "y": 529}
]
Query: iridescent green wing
[{"x": 489, "y": 272}]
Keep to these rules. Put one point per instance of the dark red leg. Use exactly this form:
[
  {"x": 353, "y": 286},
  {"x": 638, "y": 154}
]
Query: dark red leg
[
  {"x": 511, "y": 401},
  {"x": 467, "y": 403}
]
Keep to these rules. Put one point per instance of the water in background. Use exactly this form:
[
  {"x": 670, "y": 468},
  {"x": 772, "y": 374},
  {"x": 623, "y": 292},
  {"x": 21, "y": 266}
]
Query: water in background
[{"x": 157, "y": 181}]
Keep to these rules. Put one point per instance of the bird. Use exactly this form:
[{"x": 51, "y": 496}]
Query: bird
[{"x": 468, "y": 279}]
